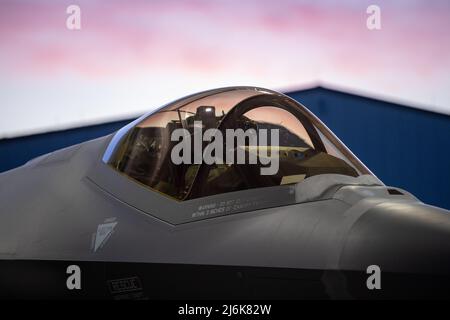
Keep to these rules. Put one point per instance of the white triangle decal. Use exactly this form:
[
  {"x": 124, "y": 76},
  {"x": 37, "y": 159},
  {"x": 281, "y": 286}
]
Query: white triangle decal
[{"x": 103, "y": 232}]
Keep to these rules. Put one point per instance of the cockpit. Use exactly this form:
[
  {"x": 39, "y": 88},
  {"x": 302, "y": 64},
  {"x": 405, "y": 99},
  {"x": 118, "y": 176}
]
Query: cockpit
[{"x": 228, "y": 140}]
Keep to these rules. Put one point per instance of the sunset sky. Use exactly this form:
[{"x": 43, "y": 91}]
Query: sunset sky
[{"x": 132, "y": 56}]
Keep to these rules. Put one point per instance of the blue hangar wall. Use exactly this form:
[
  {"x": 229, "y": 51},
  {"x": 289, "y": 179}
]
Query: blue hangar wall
[{"x": 403, "y": 146}]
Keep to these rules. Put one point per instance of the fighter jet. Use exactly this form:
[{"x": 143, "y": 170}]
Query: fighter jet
[{"x": 232, "y": 193}]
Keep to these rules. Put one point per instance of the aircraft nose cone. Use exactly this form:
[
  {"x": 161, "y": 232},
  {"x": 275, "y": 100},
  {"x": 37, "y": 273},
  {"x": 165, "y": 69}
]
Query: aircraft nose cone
[{"x": 409, "y": 242}]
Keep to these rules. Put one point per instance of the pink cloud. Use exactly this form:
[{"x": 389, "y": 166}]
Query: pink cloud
[{"x": 125, "y": 38}]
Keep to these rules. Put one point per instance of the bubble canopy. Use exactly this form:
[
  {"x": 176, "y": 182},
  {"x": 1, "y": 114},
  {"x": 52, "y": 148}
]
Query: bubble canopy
[{"x": 305, "y": 147}]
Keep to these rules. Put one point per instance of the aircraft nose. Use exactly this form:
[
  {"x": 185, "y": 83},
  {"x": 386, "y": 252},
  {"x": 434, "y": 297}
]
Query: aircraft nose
[
  {"x": 402, "y": 237},
  {"x": 409, "y": 242}
]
